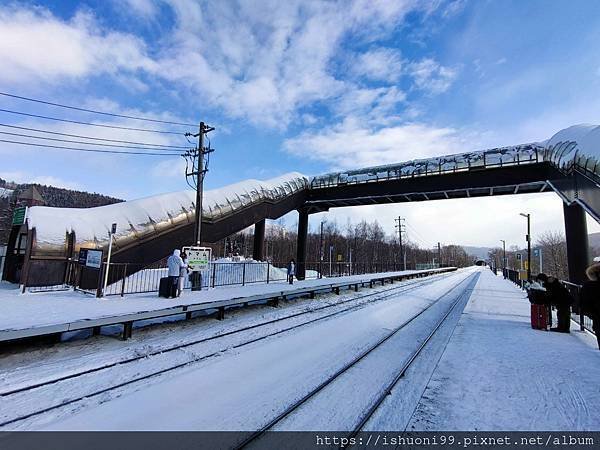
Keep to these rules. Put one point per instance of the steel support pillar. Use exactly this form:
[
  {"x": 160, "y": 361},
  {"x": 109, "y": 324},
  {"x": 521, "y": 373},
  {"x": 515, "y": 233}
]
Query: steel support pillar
[
  {"x": 577, "y": 242},
  {"x": 301, "y": 244},
  {"x": 259, "y": 241}
]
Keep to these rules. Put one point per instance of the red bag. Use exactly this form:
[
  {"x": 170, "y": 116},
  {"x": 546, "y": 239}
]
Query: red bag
[{"x": 539, "y": 317}]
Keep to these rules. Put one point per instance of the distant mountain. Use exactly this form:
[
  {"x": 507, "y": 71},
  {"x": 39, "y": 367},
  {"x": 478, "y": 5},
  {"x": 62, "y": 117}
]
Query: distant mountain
[{"x": 478, "y": 252}]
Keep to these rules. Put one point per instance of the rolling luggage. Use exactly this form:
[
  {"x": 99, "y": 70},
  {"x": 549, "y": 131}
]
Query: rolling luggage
[
  {"x": 164, "y": 287},
  {"x": 539, "y": 317}
]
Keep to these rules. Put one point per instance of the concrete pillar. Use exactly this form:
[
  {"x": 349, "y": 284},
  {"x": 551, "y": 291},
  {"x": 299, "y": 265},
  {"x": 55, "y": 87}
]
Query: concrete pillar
[
  {"x": 259, "y": 241},
  {"x": 302, "y": 243},
  {"x": 577, "y": 242}
]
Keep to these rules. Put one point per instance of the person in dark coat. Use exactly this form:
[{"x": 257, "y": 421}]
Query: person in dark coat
[
  {"x": 560, "y": 298},
  {"x": 291, "y": 271},
  {"x": 589, "y": 297},
  {"x": 545, "y": 297}
]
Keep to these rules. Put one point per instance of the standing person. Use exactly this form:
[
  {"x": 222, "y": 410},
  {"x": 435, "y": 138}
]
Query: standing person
[
  {"x": 175, "y": 263},
  {"x": 291, "y": 271},
  {"x": 559, "y": 297},
  {"x": 542, "y": 278},
  {"x": 589, "y": 297},
  {"x": 183, "y": 271}
]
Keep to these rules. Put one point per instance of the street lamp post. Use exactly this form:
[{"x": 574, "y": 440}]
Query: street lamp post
[
  {"x": 503, "y": 257},
  {"x": 528, "y": 237}
]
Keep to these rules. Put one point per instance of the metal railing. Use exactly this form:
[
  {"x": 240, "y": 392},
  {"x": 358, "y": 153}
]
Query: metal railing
[
  {"x": 133, "y": 278},
  {"x": 128, "y": 278},
  {"x": 577, "y": 310},
  {"x": 499, "y": 157}
]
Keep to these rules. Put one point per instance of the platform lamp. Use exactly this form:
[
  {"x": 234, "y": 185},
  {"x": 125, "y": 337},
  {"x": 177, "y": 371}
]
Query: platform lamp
[
  {"x": 528, "y": 238},
  {"x": 503, "y": 257}
]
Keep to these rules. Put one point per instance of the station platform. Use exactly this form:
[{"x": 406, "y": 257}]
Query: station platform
[
  {"x": 41, "y": 314},
  {"x": 497, "y": 373}
]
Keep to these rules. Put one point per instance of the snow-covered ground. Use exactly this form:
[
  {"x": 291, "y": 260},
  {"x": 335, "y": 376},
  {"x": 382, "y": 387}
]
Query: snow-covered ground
[
  {"x": 497, "y": 373},
  {"x": 484, "y": 369}
]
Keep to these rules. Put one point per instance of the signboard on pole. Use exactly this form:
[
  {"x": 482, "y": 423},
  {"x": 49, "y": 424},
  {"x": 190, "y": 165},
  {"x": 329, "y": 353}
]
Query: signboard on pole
[
  {"x": 198, "y": 258},
  {"x": 19, "y": 216},
  {"x": 90, "y": 257}
]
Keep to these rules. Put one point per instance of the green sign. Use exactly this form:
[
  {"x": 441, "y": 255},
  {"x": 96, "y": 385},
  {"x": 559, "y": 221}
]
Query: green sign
[
  {"x": 19, "y": 216},
  {"x": 198, "y": 258}
]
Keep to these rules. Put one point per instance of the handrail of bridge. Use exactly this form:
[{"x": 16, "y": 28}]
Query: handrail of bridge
[{"x": 500, "y": 157}]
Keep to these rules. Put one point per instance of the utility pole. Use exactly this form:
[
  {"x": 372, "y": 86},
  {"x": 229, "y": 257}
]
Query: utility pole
[
  {"x": 439, "y": 248},
  {"x": 401, "y": 228},
  {"x": 321, "y": 251},
  {"x": 198, "y": 169}
]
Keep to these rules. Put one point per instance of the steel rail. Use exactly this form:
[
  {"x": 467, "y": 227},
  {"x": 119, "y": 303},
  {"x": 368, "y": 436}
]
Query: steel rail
[{"x": 293, "y": 407}]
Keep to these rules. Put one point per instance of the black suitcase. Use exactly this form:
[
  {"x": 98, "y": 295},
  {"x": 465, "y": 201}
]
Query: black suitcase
[{"x": 164, "y": 287}]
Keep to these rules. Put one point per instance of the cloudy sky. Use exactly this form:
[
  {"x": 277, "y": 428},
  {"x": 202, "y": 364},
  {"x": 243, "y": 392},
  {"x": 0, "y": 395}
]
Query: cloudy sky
[{"x": 301, "y": 86}]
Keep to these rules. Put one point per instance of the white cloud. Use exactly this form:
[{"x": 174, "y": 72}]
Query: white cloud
[
  {"x": 169, "y": 168},
  {"x": 432, "y": 77},
  {"x": 37, "y": 46},
  {"x": 266, "y": 64},
  {"x": 381, "y": 64},
  {"x": 372, "y": 105},
  {"x": 146, "y": 9},
  {"x": 263, "y": 65},
  {"x": 353, "y": 144},
  {"x": 49, "y": 180}
]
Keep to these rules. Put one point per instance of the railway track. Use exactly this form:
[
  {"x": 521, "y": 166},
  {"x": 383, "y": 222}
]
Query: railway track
[
  {"x": 380, "y": 295},
  {"x": 387, "y": 389}
]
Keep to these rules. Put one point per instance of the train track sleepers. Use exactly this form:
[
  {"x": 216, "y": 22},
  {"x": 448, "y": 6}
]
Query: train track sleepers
[
  {"x": 396, "y": 290},
  {"x": 255, "y": 436}
]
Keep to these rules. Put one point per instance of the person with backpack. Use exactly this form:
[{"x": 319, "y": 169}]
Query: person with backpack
[
  {"x": 560, "y": 298},
  {"x": 291, "y": 271},
  {"x": 589, "y": 298}
]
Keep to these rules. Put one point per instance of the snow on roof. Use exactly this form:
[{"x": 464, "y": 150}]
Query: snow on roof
[
  {"x": 145, "y": 216},
  {"x": 583, "y": 140},
  {"x": 517, "y": 154},
  {"x": 560, "y": 149}
]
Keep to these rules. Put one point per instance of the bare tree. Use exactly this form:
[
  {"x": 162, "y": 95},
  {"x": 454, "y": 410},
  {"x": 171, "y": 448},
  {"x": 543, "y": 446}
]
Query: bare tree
[{"x": 554, "y": 255}]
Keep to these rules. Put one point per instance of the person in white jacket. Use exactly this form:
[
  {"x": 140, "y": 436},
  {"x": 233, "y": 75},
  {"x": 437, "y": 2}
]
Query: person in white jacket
[
  {"x": 175, "y": 264},
  {"x": 183, "y": 271}
]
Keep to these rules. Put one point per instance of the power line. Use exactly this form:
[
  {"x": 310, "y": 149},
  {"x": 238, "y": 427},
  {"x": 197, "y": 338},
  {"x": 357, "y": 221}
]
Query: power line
[
  {"x": 420, "y": 239},
  {"x": 56, "y": 133},
  {"x": 38, "y": 116},
  {"x": 87, "y": 143},
  {"x": 95, "y": 111},
  {"x": 92, "y": 150}
]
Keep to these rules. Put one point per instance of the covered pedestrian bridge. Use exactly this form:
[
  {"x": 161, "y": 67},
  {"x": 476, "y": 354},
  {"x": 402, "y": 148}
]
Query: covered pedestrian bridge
[{"x": 150, "y": 228}]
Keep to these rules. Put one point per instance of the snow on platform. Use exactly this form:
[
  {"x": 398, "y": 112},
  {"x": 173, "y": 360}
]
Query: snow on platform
[
  {"x": 497, "y": 373},
  {"x": 54, "y": 311}
]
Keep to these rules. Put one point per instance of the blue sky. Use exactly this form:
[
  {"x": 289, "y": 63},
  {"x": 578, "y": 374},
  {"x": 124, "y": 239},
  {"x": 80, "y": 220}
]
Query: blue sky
[{"x": 305, "y": 86}]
